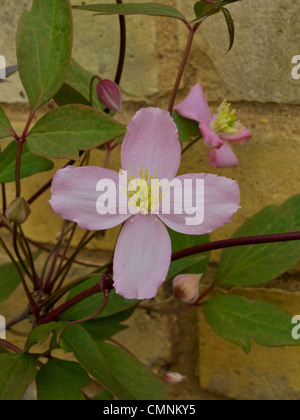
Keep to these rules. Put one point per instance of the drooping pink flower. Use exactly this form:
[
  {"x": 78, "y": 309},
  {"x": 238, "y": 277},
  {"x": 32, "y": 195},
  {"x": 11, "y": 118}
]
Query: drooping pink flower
[
  {"x": 151, "y": 149},
  {"x": 218, "y": 130}
]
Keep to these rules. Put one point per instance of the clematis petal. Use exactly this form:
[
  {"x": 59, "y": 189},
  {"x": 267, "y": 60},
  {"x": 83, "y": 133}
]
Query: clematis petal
[
  {"x": 151, "y": 143},
  {"x": 221, "y": 201},
  {"x": 142, "y": 258},
  {"x": 74, "y": 197},
  {"x": 210, "y": 137},
  {"x": 240, "y": 138},
  {"x": 223, "y": 157},
  {"x": 195, "y": 106}
]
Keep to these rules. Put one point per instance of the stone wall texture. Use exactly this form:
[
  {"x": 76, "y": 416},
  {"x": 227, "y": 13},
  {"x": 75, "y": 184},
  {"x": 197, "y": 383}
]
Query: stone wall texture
[{"x": 256, "y": 76}]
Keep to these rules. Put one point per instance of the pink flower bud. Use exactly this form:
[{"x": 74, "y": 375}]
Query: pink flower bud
[
  {"x": 174, "y": 377},
  {"x": 18, "y": 211},
  {"x": 186, "y": 287},
  {"x": 109, "y": 94}
]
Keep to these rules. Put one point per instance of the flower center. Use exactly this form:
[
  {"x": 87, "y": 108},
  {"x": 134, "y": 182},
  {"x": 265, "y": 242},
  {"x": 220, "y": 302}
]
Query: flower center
[
  {"x": 144, "y": 196},
  {"x": 226, "y": 122}
]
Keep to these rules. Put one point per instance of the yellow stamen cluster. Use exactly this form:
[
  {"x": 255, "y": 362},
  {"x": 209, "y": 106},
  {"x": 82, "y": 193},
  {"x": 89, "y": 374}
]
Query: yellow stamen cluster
[
  {"x": 226, "y": 122},
  {"x": 144, "y": 195}
]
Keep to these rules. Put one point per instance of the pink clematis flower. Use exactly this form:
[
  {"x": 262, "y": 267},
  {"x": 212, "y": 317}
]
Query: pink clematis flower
[
  {"x": 218, "y": 130},
  {"x": 151, "y": 149}
]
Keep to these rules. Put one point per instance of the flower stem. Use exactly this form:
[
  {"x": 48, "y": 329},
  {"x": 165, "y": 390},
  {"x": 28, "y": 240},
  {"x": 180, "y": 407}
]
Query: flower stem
[
  {"x": 58, "y": 311},
  {"x": 92, "y": 86},
  {"x": 47, "y": 287},
  {"x": 43, "y": 189},
  {"x": 122, "y": 53},
  {"x": 18, "y": 318},
  {"x": 227, "y": 243},
  {"x": 9, "y": 346},
  {"x": 33, "y": 305},
  {"x": 63, "y": 257},
  {"x": 18, "y": 168},
  {"x": 3, "y": 191},
  {"x": 190, "y": 145},
  {"x": 182, "y": 66},
  {"x": 34, "y": 274},
  {"x": 17, "y": 252},
  {"x": 26, "y": 129},
  {"x": 4, "y": 202},
  {"x": 89, "y": 318},
  {"x": 66, "y": 267},
  {"x": 104, "y": 284},
  {"x": 233, "y": 242}
]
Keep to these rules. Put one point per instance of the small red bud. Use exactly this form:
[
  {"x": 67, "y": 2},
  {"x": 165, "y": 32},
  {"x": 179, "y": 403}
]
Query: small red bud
[
  {"x": 109, "y": 94},
  {"x": 174, "y": 378},
  {"x": 186, "y": 287}
]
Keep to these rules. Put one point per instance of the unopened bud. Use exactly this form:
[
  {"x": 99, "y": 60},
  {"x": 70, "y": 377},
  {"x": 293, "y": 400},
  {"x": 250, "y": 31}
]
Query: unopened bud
[
  {"x": 109, "y": 94},
  {"x": 186, "y": 287},
  {"x": 18, "y": 211},
  {"x": 174, "y": 378}
]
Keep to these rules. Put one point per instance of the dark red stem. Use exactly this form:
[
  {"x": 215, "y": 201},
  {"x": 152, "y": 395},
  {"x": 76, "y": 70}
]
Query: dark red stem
[
  {"x": 106, "y": 283},
  {"x": 229, "y": 243}
]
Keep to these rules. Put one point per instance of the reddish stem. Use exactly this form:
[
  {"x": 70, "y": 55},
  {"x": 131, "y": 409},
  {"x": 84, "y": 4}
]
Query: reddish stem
[
  {"x": 104, "y": 284},
  {"x": 10, "y": 346},
  {"x": 229, "y": 243},
  {"x": 182, "y": 65},
  {"x": 88, "y": 318},
  {"x": 26, "y": 129}
]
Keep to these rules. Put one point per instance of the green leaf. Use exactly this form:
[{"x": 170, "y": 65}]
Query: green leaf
[
  {"x": 40, "y": 334},
  {"x": 118, "y": 371},
  {"x": 225, "y": 2},
  {"x": 17, "y": 371},
  {"x": 89, "y": 306},
  {"x": 30, "y": 164},
  {"x": 104, "y": 396},
  {"x": 127, "y": 370},
  {"x": 151, "y": 9},
  {"x": 5, "y": 125},
  {"x": 68, "y": 95},
  {"x": 9, "y": 280},
  {"x": 44, "y": 44},
  {"x": 188, "y": 265},
  {"x": 60, "y": 380},
  {"x": 196, "y": 264},
  {"x": 105, "y": 328},
  {"x": 239, "y": 320},
  {"x": 256, "y": 264},
  {"x": 202, "y": 9},
  {"x": 79, "y": 79},
  {"x": 77, "y": 340},
  {"x": 182, "y": 241},
  {"x": 63, "y": 132},
  {"x": 77, "y": 88},
  {"x": 230, "y": 25},
  {"x": 187, "y": 129}
]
